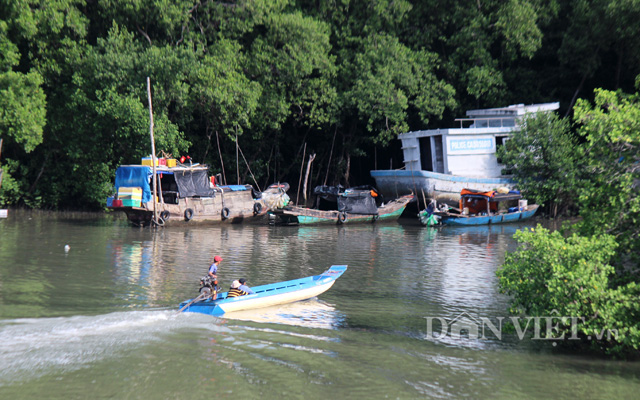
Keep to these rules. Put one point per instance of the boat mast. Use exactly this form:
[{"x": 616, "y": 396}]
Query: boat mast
[{"x": 153, "y": 153}]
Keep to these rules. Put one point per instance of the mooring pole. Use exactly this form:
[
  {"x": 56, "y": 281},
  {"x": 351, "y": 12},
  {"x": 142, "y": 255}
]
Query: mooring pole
[{"x": 153, "y": 154}]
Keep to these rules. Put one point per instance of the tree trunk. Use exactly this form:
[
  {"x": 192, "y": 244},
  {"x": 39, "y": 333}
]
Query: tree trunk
[
  {"x": 619, "y": 67},
  {"x": 306, "y": 177},
  {"x": 304, "y": 154},
  {"x": 575, "y": 95},
  {"x": 347, "y": 171}
]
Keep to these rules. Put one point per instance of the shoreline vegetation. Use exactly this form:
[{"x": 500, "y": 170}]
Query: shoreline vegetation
[
  {"x": 587, "y": 271},
  {"x": 258, "y": 89}
]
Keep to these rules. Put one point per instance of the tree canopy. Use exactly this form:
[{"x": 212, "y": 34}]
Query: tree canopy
[{"x": 277, "y": 80}]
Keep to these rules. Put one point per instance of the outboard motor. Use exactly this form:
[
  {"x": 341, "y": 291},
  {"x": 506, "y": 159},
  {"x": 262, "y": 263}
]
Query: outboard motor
[{"x": 208, "y": 286}]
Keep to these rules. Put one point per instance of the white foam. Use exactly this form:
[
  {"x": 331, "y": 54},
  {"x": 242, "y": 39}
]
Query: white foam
[{"x": 31, "y": 347}]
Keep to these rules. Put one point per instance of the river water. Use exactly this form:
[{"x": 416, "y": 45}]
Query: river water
[{"x": 100, "y": 320}]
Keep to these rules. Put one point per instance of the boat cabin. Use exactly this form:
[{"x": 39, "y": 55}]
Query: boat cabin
[
  {"x": 470, "y": 149},
  {"x": 474, "y": 202},
  {"x": 175, "y": 182}
]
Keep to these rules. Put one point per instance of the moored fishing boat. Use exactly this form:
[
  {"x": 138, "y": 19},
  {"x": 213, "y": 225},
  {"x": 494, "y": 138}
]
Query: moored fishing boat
[
  {"x": 185, "y": 196},
  {"x": 338, "y": 206},
  {"x": 267, "y": 295},
  {"x": 481, "y": 208}
]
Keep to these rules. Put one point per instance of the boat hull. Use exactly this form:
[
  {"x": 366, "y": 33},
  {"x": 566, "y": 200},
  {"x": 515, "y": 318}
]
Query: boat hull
[
  {"x": 443, "y": 188},
  {"x": 270, "y": 295},
  {"x": 448, "y": 219},
  {"x": 241, "y": 208},
  {"x": 308, "y": 216}
]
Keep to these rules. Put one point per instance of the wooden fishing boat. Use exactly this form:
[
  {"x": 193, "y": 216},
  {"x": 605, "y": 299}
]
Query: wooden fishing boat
[
  {"x": 482, "y": 208},
  {"x": 268, "y": 295},
  {"x": 185, "y": 196},
  {"x": 298, "y": 215},
  {"x": 342, "y": 206}
]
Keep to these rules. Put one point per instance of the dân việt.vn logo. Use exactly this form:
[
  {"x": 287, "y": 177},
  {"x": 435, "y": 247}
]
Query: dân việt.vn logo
[{"x": 552, "y": 328}]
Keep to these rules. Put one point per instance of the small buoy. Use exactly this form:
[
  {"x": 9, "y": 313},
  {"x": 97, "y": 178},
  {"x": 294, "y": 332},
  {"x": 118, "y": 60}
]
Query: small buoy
[{"x": 67, "y": 248}]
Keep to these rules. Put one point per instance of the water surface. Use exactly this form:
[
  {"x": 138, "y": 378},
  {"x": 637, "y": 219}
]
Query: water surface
[{"x": 100, "y": 320}]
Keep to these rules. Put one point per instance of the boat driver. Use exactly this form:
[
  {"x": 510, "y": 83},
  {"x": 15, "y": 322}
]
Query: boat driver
[{"x": 213, "y": 273}]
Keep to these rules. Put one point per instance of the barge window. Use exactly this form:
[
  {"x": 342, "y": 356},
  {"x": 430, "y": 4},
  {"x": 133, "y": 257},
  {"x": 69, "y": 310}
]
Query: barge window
[
  {"x": 439, "y": 166},
  {"x": 431, "y": 154},
  {"x": 426, "y": 160},
  {"x": 500, "y": 141}
]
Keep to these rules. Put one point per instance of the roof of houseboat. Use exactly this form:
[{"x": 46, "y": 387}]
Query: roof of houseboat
[{"x": 500, "y": 120}]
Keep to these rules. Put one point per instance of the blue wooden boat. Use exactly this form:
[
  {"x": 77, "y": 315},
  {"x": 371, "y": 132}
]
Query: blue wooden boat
[
  {"x": 268, "y": 295},
  {"x": 482, "y": 208}
]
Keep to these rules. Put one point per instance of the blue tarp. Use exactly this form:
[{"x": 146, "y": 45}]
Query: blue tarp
[
  {"x": 135, "y": 176},
  {"x": 236, "y": 188}
]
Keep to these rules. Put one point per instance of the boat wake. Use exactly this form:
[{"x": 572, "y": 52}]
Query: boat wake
[{"x": 31, "y": 347}]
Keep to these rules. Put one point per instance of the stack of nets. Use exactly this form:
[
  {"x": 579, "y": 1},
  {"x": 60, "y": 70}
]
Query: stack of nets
[{"x": 274, "y": 201}]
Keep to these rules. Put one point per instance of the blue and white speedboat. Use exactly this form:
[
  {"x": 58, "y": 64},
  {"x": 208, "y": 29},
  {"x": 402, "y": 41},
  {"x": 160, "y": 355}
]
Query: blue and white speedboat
[{"x": 268, "y": 295}]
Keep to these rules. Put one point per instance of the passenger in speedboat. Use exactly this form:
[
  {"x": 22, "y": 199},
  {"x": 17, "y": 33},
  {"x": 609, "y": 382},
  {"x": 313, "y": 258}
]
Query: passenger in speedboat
[
  {"x": 244, "y": 287},
  {"x": 234, "y": 290}
]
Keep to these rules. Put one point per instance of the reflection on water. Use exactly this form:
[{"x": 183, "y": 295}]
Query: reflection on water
[
  {"x": 101, "y": 321},
  {"x": 310, "y": 313}
]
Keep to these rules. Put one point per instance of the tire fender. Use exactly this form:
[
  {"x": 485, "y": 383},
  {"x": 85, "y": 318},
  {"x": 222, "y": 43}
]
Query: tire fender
[{"x": 257, "y": 208}]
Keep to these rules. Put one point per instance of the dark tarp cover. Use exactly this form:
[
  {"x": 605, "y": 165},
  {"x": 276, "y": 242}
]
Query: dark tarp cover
[
  {"x": 193, "y": 183},
  {"x": 358, "y": 202},
  {"x": 135, "y": 176},
  {"x": 329, "y": 193}
]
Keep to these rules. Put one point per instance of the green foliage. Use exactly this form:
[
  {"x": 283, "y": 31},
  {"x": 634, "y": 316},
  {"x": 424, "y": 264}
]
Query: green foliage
[
  {"x": 292, "y": 63},
  {"x": 482, "y": 41},
  {"x": 573, "y": 277},
  {"x": 22, "y": 108},
  {"x": 609, "y": 199},
  {"x": 10, "y": 188},
  {"x": 517, "y": 23},
  {"x": 597, "y": 28},
  {"x": 389, "y": 78},
  {"x": 594, "y": 273},
  {"x": 281, "y": 75},
  {"x": 545, "y": 161},
  {"x": 548, "y": 272},
  {"x": 9, "y": 54},
  {"x": 219, "y": 90},
  {"x": 485, "y": 82}
]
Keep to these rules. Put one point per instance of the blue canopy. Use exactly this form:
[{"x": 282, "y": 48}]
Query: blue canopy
[{"x": 135, "y": 176}]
